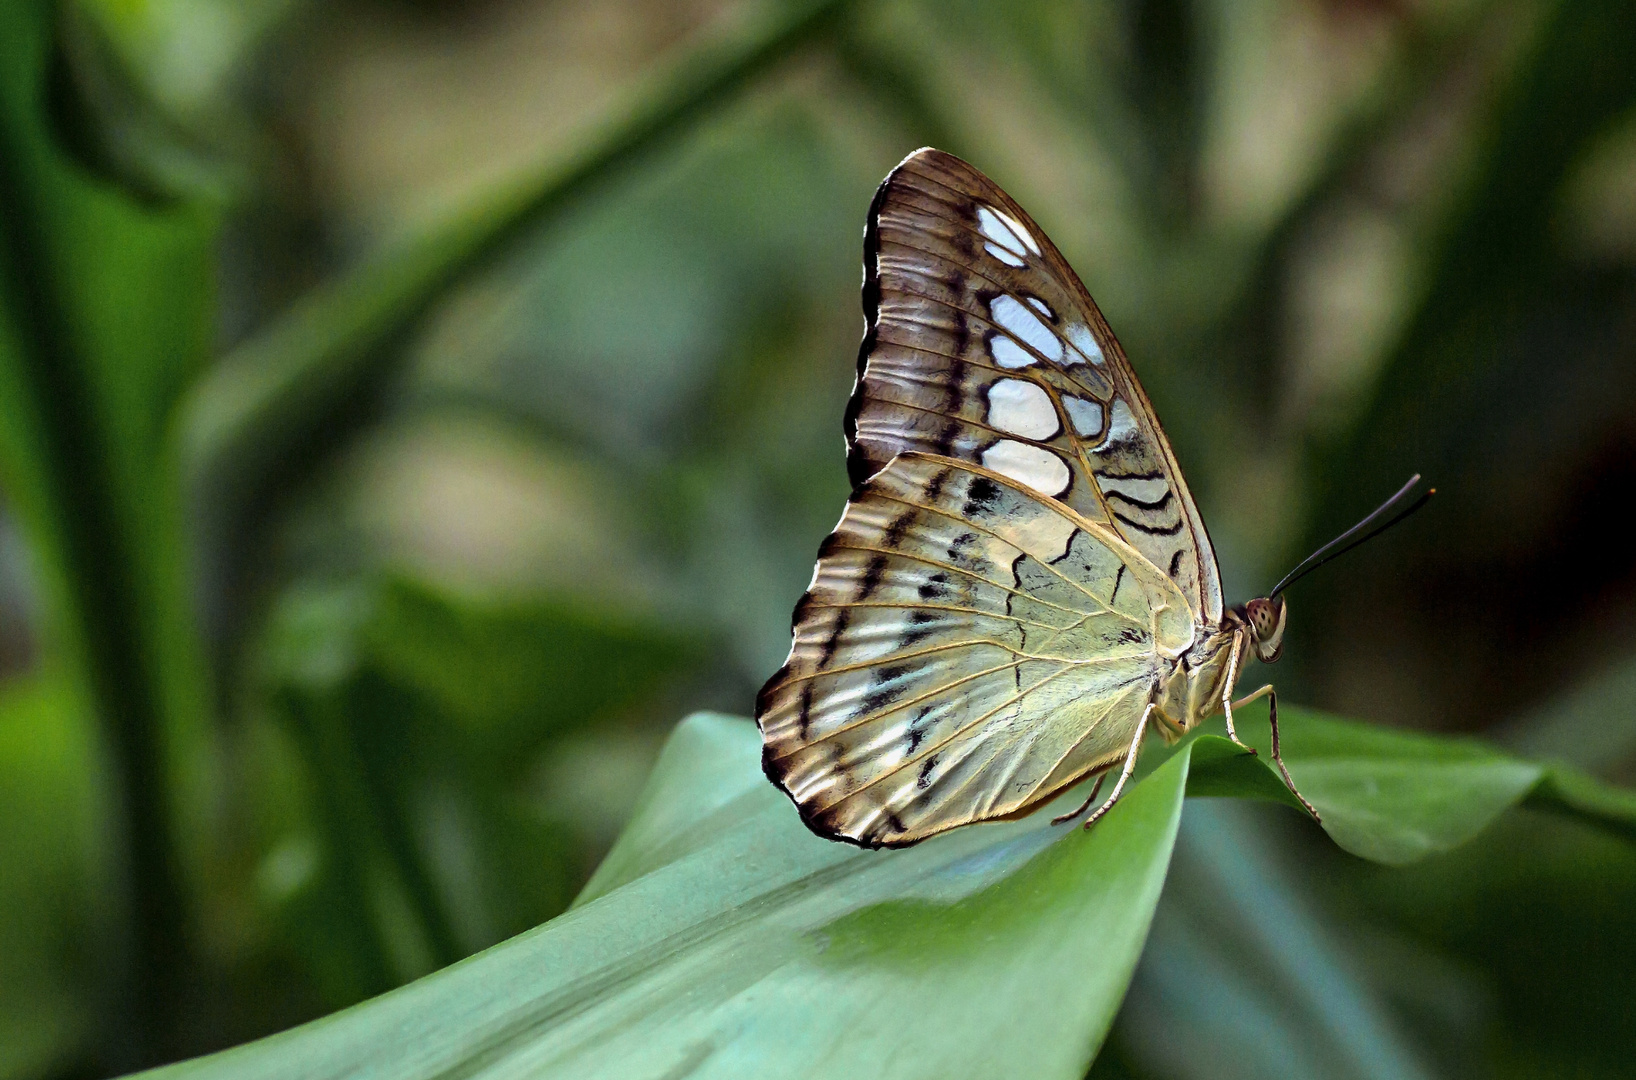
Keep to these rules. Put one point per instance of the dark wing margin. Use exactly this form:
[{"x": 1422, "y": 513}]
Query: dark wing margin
[{"x": 859, "y": 466}]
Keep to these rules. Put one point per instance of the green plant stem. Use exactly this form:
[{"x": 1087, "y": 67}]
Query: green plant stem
[
  {"x": 371, "y": 847},
  {"x": 1575, "y": 795},
  {"x": 271, "y": 393},
  {"x": 96, "y": 573}
]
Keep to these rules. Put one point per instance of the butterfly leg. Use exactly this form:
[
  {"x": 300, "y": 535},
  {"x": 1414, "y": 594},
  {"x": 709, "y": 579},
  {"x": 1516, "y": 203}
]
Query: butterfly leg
[
  {"x": 1278, "y": 758},
  {"x": 1084, "y": 806},
  {"x": 1227, "y": 694},
  {"x": 1130, "y": 767}
]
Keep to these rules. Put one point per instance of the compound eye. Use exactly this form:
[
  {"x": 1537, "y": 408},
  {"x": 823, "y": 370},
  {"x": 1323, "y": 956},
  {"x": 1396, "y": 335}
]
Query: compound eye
[{"x": 1267, "y": 623}]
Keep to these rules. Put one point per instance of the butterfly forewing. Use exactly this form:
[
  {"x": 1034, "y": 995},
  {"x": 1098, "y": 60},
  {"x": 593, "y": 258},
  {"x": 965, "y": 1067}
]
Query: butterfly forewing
[
  {"x": 983, "y": 345},
  {"x": 966, "y": 650}
]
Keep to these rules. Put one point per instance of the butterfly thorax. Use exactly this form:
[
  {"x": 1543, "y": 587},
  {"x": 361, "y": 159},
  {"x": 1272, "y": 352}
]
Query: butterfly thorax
[{"x": 1193, "y": 692}]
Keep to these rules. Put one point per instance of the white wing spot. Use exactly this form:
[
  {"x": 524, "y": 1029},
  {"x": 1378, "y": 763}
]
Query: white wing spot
[
  {"x": 1121, "y": 423},
  {"x": 1017, "y": 227},
  {"x": 991, "y": 224},
  {"x": 1079, "y": 336},
  {"x": 1005, "y": 255},
  {"x": 1149, "y": 491},
  {"x": 1022, "y": 408},
  {"x": 1035, "y": 466},
  {"x": 1007, "y": 353},
  {"x": 1026, "y": 326},
  {"x": 1086, "y": 415},
  {"x": 1041, "y": 306}
]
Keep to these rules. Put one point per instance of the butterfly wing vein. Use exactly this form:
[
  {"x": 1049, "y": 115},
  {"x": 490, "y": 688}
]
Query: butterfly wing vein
[
  {"x": 1020, "y": 564},
  {"x": 966, "y": 650}
]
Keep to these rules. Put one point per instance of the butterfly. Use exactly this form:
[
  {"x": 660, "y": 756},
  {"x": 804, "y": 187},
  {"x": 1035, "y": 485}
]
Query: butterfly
[{"x": 1021, "y": 585}]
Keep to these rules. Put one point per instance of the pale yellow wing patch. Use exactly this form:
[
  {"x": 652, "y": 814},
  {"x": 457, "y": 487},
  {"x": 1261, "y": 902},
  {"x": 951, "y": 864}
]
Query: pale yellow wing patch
[{"x": 966, "y": 650}]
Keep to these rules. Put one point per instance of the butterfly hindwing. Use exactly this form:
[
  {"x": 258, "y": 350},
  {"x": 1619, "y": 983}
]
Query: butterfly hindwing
[
  {"x": 982, "y": 344},
  {"x": 966, "y": 649}
]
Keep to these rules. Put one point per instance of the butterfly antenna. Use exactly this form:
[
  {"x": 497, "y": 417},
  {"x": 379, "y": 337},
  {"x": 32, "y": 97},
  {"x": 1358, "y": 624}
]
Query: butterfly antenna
[{"x": 1340, "y": 545}]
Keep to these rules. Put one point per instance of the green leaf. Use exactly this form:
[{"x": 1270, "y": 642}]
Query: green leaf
[
  {"x": 1574, "y": 794},
  {"x": 419, "y": 714},
  {"x": 1387, "y": 795},
  {"x": 706, "y": 767},
  {"x": 1242, "y": 935},
  {"x": 48, "y": 848},
  {"x": 106, "y": 310},
  {"x": 511, "y": 671},
  {"x": 727, "y": 940},
  {"x": 483, "y": 679},
  {"x": 720, "y": 938}
]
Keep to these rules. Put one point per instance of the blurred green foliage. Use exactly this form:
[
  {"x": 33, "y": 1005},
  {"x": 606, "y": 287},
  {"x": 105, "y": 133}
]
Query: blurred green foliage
[{"x": 408, "y": 409}]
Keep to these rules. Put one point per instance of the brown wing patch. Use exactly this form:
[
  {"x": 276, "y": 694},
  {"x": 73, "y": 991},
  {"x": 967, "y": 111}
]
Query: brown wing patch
[{"x": 982, "y": 344}]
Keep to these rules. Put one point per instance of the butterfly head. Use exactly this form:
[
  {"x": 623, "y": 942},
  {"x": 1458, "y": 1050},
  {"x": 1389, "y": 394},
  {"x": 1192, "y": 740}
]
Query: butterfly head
[{"x": 1265, "y": 618}]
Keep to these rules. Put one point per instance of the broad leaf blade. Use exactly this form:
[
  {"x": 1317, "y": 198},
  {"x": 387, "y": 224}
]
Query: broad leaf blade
[
  {"x": 1389, "y": 795},
  {"x": 721, "y": 938},
  {"x": 703, "y": 771},
  {"x": 740, "y": 944}
]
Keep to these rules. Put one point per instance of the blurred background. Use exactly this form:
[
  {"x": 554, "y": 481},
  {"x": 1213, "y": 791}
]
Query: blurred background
[{"x": 409, "y": 409}]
